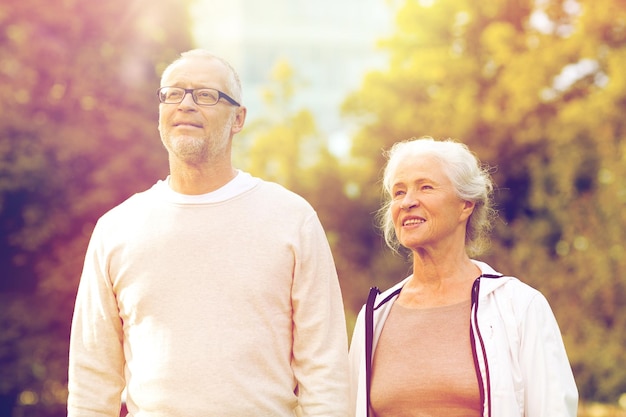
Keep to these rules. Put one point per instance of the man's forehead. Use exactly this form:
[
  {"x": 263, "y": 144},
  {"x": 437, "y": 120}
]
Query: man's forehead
[{"x": 196, "y": 69}]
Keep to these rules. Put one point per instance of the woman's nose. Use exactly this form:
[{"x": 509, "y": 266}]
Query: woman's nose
[{"x": 408, "y": 202}]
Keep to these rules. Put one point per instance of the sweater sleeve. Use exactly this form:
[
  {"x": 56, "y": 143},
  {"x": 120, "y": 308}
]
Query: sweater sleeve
[
  {"x": 96, "y": 359},
  {"x": 550, "y": 387},
  {"x": 320, "y": 347}
]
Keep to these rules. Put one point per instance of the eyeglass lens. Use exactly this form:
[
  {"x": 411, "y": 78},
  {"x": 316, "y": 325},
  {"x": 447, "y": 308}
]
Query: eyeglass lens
[{"x": 205, "y": 96}]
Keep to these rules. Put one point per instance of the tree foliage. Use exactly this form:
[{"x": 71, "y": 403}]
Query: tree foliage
[{"x": 77, "y": 136}]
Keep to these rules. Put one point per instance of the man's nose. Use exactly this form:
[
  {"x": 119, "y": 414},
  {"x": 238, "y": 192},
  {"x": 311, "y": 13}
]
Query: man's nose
[{"x": 187, "y": 100}]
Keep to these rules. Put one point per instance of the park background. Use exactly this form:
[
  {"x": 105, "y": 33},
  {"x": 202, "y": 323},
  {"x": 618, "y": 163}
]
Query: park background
[{"x": 537, "y": 88}]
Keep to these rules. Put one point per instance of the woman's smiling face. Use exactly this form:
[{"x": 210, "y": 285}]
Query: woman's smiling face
[{"x": 426, "y": 210}]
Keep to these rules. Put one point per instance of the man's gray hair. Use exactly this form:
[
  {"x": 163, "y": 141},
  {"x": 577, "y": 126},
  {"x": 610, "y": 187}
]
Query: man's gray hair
[{"x": 234, "y": 82}]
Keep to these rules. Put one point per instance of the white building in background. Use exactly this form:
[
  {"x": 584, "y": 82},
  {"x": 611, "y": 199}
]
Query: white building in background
[{"x": 330, "y": 44}]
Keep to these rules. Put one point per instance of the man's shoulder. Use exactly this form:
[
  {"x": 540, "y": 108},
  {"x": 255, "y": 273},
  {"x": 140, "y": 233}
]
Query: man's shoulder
[
  {"x": 279, "y": 195},
  {"x": 135, "y": 203}
]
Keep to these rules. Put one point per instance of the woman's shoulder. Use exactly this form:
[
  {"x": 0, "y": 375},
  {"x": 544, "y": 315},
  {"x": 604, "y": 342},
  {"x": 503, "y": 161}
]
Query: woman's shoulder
[
  {"x": 390, "y": 293},
  {"x": 502, "y": 284},
  {"x": 509, "y": 287},
  {"x": 518, "y": 288},
  {"x": 519, "y": 298}
]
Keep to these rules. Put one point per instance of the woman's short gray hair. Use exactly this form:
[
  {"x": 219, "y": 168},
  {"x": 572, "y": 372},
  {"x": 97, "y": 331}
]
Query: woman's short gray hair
[{"x": 471, "y": 180}]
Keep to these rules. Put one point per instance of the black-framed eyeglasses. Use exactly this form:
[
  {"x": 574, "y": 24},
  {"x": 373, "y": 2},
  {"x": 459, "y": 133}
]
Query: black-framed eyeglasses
[{"x": 201, "y": 96}]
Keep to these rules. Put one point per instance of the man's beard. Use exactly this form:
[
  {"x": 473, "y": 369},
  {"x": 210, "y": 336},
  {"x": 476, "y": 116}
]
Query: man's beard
[{"x": 195, "y": 150}]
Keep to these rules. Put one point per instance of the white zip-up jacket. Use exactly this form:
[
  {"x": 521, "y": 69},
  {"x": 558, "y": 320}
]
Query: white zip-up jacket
[{"x": 517, "y": 347}]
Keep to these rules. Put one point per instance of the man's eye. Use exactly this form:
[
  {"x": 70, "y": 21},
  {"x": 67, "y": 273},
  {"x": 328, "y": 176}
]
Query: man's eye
[
  {"x": 173, "y": 94},
  {"x": 206, "y": 95}
]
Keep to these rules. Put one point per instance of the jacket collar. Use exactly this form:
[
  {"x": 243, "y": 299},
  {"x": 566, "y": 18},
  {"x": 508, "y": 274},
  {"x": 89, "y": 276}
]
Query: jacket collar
[{"x": 490, "y": 280}]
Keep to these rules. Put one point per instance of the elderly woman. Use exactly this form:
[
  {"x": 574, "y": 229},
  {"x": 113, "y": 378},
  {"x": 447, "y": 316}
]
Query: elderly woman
[{"x": 455, "y": 338}]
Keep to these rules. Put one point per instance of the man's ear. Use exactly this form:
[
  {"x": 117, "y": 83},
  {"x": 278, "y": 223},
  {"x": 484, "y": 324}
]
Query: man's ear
[{"x": 240, "y": 119}]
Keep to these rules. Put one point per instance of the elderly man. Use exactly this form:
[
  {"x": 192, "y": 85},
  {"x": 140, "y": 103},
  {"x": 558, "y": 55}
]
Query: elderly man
[{"x": 213, "y": 293}]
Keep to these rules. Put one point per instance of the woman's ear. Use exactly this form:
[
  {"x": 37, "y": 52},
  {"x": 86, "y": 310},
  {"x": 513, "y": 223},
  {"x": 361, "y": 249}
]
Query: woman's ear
[{"x": 467, "y": 210}]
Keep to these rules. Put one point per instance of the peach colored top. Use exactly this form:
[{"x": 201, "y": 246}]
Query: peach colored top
[{"x": 423, "y": 364}]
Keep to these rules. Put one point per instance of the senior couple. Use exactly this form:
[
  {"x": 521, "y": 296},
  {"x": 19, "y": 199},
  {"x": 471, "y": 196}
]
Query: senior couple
[{"x": 214, "y": 293}]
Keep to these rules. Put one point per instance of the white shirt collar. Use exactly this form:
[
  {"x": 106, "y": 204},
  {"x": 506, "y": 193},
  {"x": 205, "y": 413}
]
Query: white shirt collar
[{"x": 242, "y": 182}]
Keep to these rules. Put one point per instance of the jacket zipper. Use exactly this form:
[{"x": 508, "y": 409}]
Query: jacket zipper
[
  {"x": 369, "y": 342},
  {"x": 484, "y": 384}
]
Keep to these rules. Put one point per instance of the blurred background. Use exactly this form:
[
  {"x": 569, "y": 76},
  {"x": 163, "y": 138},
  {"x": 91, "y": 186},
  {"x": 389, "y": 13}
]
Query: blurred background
[{"x": 537, "y": 88}]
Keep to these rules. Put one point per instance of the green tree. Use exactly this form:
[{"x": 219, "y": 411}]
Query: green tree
[
  {"x": 77, "y": 136},
  {"x": 537, "y": 90}
]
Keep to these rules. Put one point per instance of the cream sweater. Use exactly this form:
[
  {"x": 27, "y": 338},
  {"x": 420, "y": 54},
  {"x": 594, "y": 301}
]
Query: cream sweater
[{"x": 220, "y": 306}]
